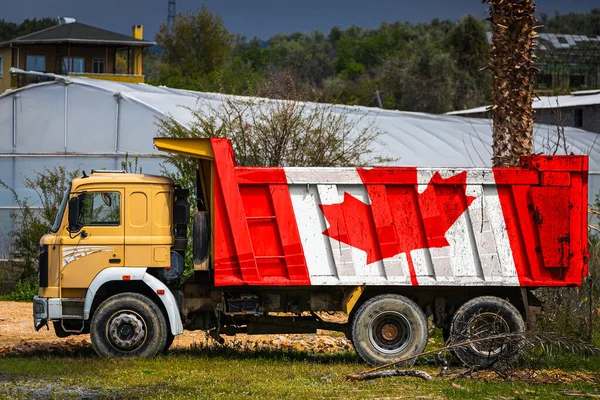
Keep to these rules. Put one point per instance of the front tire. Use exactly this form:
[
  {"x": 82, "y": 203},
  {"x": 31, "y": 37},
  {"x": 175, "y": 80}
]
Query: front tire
[
  {"x": 388, "y": 328},
  {"x": 128, "y": 325}
]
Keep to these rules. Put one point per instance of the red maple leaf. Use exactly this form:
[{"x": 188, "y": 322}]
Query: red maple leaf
[{"x": 399, "y": 219}]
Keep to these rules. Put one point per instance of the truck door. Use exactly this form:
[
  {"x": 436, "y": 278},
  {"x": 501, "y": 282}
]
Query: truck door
[{"x": 99, "y": 244}]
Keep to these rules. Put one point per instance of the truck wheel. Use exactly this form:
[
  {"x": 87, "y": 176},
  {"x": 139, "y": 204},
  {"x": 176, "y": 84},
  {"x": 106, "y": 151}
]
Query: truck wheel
[
  {"x": 388, "y": 328},
  {"x": 482, "y": 317},
  {"x": 128, "y": 325}
]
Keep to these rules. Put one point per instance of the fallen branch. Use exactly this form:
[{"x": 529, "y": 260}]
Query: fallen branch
[
  {"x": 576, "y": 393},
  {"x": 389, "y": 372},
  {"x": 543, "y": 338}
]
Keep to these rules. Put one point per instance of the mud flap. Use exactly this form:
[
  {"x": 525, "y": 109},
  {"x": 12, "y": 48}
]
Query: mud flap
[{"x": 201, "y": 240}]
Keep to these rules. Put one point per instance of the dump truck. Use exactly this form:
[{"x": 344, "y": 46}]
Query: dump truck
[{"x": 274, "y": 250}]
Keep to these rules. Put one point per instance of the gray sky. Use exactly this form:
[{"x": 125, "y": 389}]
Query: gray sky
[{"x": 263, "y": 18}]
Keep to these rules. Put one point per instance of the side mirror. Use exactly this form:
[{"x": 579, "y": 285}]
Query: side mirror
[{"x": 73, "y": 214}]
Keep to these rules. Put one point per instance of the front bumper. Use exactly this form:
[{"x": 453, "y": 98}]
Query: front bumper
[
  {"x": 40, "y": 312},
  {"x": 46, "y": 309}
]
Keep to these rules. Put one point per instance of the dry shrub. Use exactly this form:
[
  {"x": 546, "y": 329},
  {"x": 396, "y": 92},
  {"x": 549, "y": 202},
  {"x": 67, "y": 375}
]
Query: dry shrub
[
  {"x": 288, "y": 132},
  {"x": 576, "y": 311}
]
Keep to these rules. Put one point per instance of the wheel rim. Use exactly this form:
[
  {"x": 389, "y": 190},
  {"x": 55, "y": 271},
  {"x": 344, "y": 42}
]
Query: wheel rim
[
  {"x": 485, "y": 325},
  {"x": 390, "y": 332},
  {"x": 126, "y": 330}
]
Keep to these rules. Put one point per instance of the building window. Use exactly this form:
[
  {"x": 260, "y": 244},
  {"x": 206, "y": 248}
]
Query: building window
[
  {"x": 578, "y": 118},
  {"x": 36, "y": 63},
  {"x": 98, "y": 66},
  {"x": 1, "y": 66},
  {"x": 77, "y": 65}
]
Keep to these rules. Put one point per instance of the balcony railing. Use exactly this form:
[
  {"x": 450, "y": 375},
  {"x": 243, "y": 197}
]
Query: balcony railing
[
  {"x": 19, "y": 80},
  {"x": 110, "y": 77}
]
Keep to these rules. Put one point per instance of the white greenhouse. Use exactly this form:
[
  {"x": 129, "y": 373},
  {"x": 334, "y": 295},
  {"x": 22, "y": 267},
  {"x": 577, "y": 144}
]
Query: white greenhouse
[{"x": 91, "y": 124}]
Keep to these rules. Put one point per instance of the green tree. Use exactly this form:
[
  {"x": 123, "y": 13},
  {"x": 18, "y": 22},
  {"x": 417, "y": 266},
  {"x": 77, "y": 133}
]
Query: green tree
[
  {"x": 573, "y": 23},
  {"x": 197, "y": 44},
  {"x": 422, "y": 81},
  {"x": 29, "y": 223},
  {"x": 305, "y": 56},
  {"x": 12, "y": 30},
  {"x": 470, "y": 49},
  {"x": 469, "y": 44},
  {"x": 151, "y": 66}
]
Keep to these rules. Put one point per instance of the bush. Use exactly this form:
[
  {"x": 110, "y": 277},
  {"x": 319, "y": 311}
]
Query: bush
[
  {"x": 24, "y": 291},
  {"x": 576, "y": 311},
  {"x": 31, "y": 223}
]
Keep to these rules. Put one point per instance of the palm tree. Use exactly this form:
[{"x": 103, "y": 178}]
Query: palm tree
[{"x": 513, "y": 31}]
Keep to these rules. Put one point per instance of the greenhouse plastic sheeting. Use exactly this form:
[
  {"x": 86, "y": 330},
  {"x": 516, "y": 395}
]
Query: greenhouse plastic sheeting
[{"x": 91, "y": 123}]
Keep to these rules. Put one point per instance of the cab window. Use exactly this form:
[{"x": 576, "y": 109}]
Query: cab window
[{"x": 100, "y": 209}]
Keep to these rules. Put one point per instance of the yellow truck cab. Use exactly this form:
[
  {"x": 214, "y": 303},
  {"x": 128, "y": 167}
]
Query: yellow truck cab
[{"x": 117, "y": 226}]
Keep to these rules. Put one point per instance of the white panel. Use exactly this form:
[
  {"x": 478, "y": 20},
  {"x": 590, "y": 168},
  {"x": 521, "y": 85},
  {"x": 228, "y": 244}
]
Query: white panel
[
  {"x": 479, "y": 251},
  {"x": 91, "y": 120},
  {"x": 40, "y": 119},
  {"x": 322, "y": 175},
  {"x": 342, "y": 253},
  {"x": 6, "y": 117},
  {"x": 475, "y": 176},
  {"x": 317, "y": 248},
  {"x": 25, "y": 167},
  {"x": 8, "y": 176},
  {"x": 493, "y": 211},
  {"x": 137, "y": 128}
]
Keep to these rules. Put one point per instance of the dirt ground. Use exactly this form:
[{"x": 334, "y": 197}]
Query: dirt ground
[
  {"x": 18, "y": 334},
  {"x": 18, "y": 337}
]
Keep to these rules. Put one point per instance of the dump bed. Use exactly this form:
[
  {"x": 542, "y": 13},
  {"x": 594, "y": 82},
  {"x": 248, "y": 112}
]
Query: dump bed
[{"x": 400, "y": 226}]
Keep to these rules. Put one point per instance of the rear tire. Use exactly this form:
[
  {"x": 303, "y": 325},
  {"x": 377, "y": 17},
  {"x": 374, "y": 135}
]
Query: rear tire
[
  {"x": 388, "y": 328},
  {"x": 128, "y": 325},
  {"x": 482, "y": 317}
]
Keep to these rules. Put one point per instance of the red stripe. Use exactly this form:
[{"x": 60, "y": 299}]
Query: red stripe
[
  {"x": 234, "y": 211},
  {"x": 257, "y": 241},
  {"x": 543, "y": 218},
  {"x": 411, "y": 268}
]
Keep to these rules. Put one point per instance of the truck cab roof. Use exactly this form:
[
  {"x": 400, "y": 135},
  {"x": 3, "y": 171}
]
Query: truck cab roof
[{"x": 114, "y": 177}]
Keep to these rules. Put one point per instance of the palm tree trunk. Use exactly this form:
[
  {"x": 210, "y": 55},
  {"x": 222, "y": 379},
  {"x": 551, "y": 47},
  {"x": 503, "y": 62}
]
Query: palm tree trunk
[{"x": 513, "y": 31}]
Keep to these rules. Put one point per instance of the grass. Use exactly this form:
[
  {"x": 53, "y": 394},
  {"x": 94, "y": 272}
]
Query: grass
[{"x": 239, "y": 373}]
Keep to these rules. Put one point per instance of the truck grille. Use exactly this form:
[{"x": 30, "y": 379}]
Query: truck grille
[{"x": 43, "y": 266}]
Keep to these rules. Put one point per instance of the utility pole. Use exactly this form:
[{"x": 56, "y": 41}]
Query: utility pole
[{"x": 171, "y": 14}]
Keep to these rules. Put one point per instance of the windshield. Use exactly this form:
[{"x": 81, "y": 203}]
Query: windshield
[{"x": 61, "y": 211}]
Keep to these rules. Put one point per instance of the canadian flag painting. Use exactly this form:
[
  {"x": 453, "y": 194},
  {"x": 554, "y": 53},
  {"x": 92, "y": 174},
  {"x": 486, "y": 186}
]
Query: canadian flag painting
[
  {"x": 440, "y": 208},
  {"x": 521, "y": 226}
]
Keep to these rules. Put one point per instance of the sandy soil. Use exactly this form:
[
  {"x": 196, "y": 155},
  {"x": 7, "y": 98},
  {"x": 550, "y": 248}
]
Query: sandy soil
[{"x": 16, "y": 330}]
